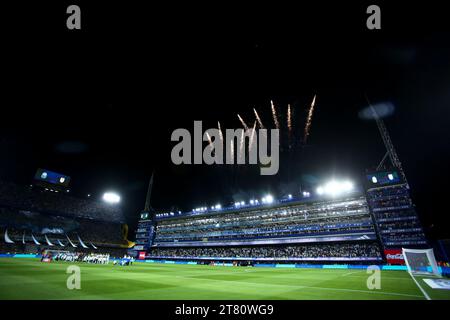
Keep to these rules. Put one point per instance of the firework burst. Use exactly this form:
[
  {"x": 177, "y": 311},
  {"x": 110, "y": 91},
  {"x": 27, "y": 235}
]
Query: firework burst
[
  {"x": 289, "y": 124},
  {"x": 274, "y": 115},
  {"x": 241, "y": 146},
  {"x": 252, "y": 136},
  {"x": 289, "y": 119},
  {"x": 220, "y": 132},
  {"x": 258, "y": 119},
  {"x": 309, "y": 119},
  {"x": 243, "y": 122},
  {"x": 209, "y": 139}
]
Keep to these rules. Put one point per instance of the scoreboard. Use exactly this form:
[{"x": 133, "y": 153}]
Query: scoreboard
[
  {"x": 52, "y": 179},
  {"x": 383, "y": 178}
]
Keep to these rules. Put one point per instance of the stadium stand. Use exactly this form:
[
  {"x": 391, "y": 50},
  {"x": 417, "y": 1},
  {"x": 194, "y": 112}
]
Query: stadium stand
[
  {"x": 36, "y": 220},
  {"x": 307, "y": 230}
]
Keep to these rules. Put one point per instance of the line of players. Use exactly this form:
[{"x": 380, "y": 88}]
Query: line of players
[{"x": 79, "y": 257}]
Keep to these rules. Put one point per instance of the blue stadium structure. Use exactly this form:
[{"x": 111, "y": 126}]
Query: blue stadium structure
[{"x": 355, "y": 226}]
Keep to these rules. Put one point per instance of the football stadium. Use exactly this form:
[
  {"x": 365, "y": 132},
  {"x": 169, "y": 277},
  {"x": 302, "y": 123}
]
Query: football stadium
[
  {"x": 193, "y": 155},
  {"x": 341, "y": 241}
]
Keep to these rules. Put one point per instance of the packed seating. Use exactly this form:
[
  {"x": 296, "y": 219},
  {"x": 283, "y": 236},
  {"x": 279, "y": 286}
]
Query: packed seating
[
  {"x": 36, "y": 199},
  {"x": 395, "y": 215},
  {"x": 36, "y": 220},
  {"x": 332, "y": 217},
  {"x": 313, "y": 251}
]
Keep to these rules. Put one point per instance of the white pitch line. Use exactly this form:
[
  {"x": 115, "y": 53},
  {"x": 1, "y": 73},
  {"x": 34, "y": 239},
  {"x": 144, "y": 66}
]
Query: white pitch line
[
  {"x": 365, "y": 291},
  {"x": 349, "y": 273},
  {"x": 420, "y": 287}
]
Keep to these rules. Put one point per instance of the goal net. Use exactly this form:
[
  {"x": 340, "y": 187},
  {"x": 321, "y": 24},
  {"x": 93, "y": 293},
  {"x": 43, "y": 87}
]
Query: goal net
[{"x": 421, "y": 262}]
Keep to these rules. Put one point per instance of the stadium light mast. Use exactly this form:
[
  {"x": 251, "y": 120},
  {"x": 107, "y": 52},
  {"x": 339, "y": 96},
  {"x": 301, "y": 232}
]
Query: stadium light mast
[
  {"x": 148, "y": 206},
  {"x": 390, "y": 150}
]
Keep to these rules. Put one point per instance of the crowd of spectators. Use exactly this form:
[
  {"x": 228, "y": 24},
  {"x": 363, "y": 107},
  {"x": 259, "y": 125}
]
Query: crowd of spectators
[
  {"x": 395, "y": 216},
  {"x": 316, "y": 251},
  {"x": 295, "y": 220},
  {"x": 58, "y": 228},
  {"x": 37, "y": 199}
]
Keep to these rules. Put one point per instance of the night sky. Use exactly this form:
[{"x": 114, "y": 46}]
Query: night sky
[{"x": 100, "y": 104}]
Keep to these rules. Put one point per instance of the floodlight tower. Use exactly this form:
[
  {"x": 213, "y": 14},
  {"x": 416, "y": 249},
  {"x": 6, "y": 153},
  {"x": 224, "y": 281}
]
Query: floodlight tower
[
  {"x": 148, "y": 207},
  {"x": 390, "y": 150}
]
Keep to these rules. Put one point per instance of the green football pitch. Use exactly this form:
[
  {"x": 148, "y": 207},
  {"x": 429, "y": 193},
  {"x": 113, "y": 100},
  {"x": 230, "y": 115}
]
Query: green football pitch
[{"x": 31, "y": 279}]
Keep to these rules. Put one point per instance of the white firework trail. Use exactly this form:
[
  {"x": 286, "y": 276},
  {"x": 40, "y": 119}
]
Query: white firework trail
[
  {"x": 241, "y": 146},
  {"x": 289, "y": 124},
  {"x": 274, "y": 114},
  {"x": 210, "y": 140},
  {"x": 243, "y": 122},
  {"x": 258, "y": 119},
  {"x": 252, "y": 136},
  {"x": 309, "y": 119},
  {"x": 232, "y": 150},
  {"x": 220, "y": 132},
  {"x": 289, "y": 119}
]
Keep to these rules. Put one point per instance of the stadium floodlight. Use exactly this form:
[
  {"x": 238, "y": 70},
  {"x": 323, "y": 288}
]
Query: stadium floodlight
[
  {"x": 242, "y": 203},
  {"x": 111, "y": 197},
  {"x": 256, "y": 201},
  {"x": 335, "y": 188},
  {"x": 289, "y": 196},
  {"x": 374, "y": 179},
  {"x": 218, "y": 206},
  {"x": 347, "y": 186},
  {"x": 390, "y": 176},
  {"x": 269, "y": 199},
  {"x": 252, "y": 202}
]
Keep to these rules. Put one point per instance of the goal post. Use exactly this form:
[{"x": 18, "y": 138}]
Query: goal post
[{"x": 421, "y": 262}]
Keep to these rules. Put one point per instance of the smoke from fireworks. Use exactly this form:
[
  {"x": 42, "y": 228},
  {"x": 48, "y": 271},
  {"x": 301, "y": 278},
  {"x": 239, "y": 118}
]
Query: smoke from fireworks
[
  {"x": 243, "y": 122},
  {"x": 274, "y": 114},
  {"x": 258, "y": 119},
  {"x": 309, "y": 119}
]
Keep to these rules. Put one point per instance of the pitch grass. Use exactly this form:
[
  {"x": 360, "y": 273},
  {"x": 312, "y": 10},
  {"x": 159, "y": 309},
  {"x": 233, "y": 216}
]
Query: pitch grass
[{"x": 31, "y": 279}]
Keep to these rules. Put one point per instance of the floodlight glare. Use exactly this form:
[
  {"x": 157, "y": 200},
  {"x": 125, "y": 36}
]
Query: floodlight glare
[
  {"x": 347, "y": 186},
  {"x": 111, "y": 197},
  {"x": 269, "y": 199},
  {"x": 335, "y": 188}
]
